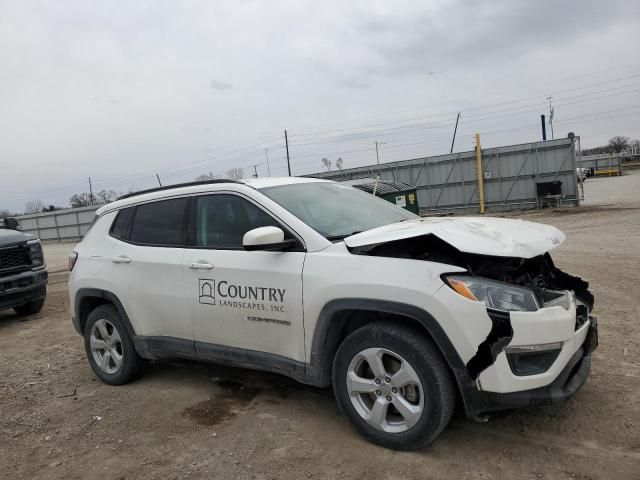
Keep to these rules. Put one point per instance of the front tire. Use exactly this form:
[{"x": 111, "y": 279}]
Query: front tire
[
  {"x": 109, "y": 347},
  {"x": 393, "y": 384},
  {"x": 30, "y": 308}
]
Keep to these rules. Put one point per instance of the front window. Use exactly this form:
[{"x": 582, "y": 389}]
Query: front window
[
  {"x": 222, "y": 220},
  {"x": 334, "y": 210}
]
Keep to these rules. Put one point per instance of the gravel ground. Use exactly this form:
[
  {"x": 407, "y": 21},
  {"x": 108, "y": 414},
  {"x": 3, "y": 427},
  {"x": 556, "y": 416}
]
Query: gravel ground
[
  {"x": 187, "y": 420},
  {"x": 57, "y": 256}
]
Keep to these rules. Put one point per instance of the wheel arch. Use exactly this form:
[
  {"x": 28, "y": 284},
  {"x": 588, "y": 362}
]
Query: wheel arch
[
  {"x": 340, "y": 317},
  {"x": 88, "y": 299}
]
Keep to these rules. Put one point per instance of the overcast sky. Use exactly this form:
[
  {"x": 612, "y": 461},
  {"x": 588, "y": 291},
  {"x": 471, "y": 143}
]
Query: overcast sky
[{"x": 120, "y": 90}]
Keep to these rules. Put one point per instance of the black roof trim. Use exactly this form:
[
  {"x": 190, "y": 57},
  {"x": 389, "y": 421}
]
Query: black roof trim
[{"x": 177, "y": 185}]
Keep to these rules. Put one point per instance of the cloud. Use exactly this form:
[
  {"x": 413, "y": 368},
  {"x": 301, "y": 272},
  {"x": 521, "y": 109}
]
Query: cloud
[
  {"x": 218, "y": 85},
  {"x": 460, "y": 35},
  {"x": 121, "y": 90},
  {"x": 354, "y": 83}
]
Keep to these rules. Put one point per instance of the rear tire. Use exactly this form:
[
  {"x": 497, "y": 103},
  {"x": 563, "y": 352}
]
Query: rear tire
[
  {"x": 30, "y": 308},
  {"x": 109, "y": 347},
  {"x": 393, "y": 384}
]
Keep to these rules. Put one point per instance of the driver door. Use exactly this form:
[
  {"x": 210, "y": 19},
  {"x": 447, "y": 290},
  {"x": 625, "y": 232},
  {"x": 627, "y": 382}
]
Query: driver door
[{"x": 244, "y": 299}]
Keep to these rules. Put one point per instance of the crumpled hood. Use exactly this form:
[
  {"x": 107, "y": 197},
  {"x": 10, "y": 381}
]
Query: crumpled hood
[{"x": 501, "y": 237}]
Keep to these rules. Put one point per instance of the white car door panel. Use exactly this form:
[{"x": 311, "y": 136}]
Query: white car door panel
[
  {"x": 249, "y": 300},
  {"x": 158, "y": 306},
  {"x": 243, "y": 299},
  {"x": 148, "y": 277}
]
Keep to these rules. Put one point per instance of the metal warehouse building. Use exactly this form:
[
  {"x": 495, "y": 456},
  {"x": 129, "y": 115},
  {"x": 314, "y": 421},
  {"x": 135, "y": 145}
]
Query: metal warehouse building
[{"x": 510, "y": 176}]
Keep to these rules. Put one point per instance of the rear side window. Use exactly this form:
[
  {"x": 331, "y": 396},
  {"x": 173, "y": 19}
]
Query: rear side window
[
  {"x": 119, "y": 226},
  {"x": 159, "y": 223}
]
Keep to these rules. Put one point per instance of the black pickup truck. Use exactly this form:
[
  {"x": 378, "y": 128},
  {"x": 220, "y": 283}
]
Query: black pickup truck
[{"x": 23, "y": 273}]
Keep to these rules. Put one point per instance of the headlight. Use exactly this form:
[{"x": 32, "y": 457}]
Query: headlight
[
  {"x": 35, "y": 253},
  {"x": 497, "y": 295}
]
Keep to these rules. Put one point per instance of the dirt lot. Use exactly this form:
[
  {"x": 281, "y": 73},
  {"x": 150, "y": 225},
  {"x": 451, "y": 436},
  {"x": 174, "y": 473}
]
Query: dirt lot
[{"x": 184, "y": 420}]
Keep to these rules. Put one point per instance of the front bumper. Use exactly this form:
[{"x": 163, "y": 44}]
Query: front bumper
[
  {"x": 480, "y": 404},
  {"x": 22, "y": 288},
  {"x": 568, "y": 325}
]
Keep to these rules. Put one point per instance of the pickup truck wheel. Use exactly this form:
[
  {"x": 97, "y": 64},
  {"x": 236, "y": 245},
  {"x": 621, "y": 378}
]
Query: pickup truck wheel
[
  {"x": 394, "y": 385},
  {"x": 30, "y": 308},
  {"x": 109, "y": 348}
]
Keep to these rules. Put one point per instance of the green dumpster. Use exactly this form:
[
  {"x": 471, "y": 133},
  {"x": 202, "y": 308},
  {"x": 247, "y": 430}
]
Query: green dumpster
[{"x": 401, "y": 194}]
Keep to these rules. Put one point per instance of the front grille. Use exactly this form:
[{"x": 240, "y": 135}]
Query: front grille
[{"x": 14, "y": 259}]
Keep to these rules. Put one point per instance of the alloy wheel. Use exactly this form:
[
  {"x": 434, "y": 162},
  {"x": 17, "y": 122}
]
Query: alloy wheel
[
  {"x": 106, "y": 346},
  {"x": 385, "y": 390}
]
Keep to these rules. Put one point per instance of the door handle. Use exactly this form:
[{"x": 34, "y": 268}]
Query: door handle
[
  {"x": 121, "y": 259},
  {"x": 201, "y": 266}
]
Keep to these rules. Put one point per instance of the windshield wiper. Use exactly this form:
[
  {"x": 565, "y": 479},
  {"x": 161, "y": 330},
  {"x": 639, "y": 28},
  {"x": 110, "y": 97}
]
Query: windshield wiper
[{"x": 341, "y": 237}]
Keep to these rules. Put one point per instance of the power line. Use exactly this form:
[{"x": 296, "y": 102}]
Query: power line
[
  {"x": 484, "y": 132},
  {"x": 468, "y": 118},
  {"x": 179, "y": 171},
  {"x": 471, "y": 108},
  {"x": 494, "y": 93},
  {"x": 248, "y": 151}
]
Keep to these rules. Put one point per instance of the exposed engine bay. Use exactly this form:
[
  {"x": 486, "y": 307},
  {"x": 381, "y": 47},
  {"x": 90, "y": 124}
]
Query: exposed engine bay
[{"x": 538, "y": 274}]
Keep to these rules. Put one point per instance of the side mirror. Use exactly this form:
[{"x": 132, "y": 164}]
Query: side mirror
[
  {"x": 266, "y": 238},
  {"x": 11, "y": 223}
]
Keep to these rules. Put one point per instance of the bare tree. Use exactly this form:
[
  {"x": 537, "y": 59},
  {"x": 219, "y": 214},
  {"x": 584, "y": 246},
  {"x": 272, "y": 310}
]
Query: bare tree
[
  {"x": 339, "y": 163},
  {"x": 4, "y": 213},
  {"x": 205, "y": 177},
  {"x": 327, "y": 163},
  {"x": 34, "y": 206},
  {"x": 80, "y": 200},
  {"x": 235, "y": 173},
  {"x": 106, "y": 196},
  {"x": 618, "y": 143}
]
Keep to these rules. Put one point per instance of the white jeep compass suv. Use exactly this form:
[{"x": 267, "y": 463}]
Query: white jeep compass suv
[{"x": 404, "y": 316}]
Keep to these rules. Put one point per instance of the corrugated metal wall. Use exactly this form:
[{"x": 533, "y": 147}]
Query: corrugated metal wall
[
  {"x": 600, "y": 163},
  {"x": 449, "y": 182},
  {"x": 60, "y": 225}
]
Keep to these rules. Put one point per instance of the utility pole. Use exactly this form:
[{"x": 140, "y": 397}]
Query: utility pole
[
  {"x": 255, "y": 171},
  {"x": 90, "y": 192},
  {"x": 454, "y": 132},
  {"x": 377, "y": 154},
  {"x": 266, "y": 152},
  {"x": 544, "y": 128},
  {"x": 286, "y": 142},
  {"x": 158, "y": 177},
  {"x": 480, "y": 172},
  {"x": 550, "y": 116}
]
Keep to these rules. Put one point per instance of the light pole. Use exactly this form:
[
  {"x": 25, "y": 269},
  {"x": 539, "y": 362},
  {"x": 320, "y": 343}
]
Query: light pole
[
  {"x": 266, "y": 152},
  {"x": 377, "y": 154},
  {"x": 550, "y": 116}
]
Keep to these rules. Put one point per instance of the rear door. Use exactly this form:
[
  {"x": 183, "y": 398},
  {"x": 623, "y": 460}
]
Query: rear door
[
  {"x": 244, "y": 299},
  {"x": 146, "y": 267}
]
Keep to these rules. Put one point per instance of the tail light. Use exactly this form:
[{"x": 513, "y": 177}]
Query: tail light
[{"x": 73, "y": 258}]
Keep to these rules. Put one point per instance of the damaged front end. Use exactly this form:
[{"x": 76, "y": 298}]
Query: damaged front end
[
  {"x": 509, "y": 285},
  {"x": 540, "y": 316}
]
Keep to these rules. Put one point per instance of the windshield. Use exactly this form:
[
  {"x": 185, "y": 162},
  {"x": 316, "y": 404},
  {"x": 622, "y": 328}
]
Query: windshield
[{"x": 334, "y": 210}]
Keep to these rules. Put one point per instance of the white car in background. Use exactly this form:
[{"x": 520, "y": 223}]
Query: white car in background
[{"x": 404, "y": 316}]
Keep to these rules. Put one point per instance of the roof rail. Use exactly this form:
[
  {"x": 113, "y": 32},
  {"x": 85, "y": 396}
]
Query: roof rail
[{"x": 177, "y": 185}]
